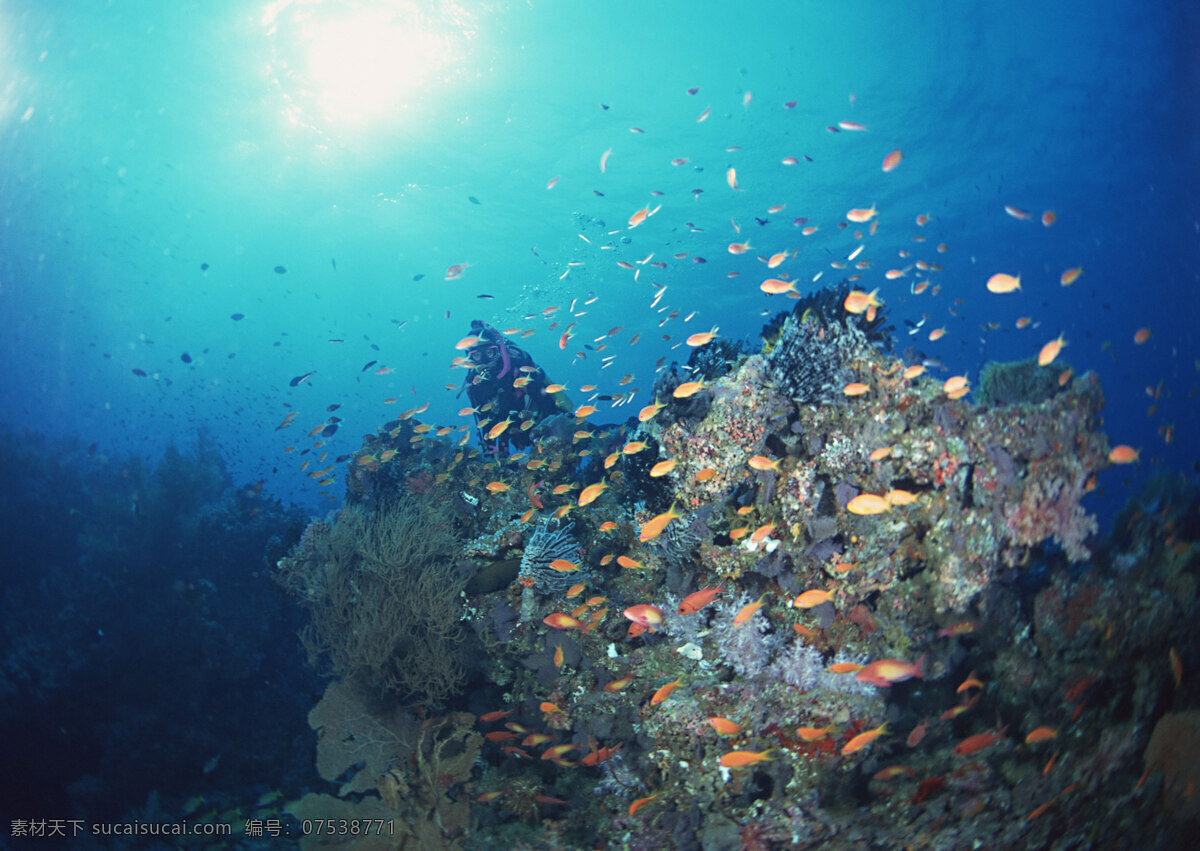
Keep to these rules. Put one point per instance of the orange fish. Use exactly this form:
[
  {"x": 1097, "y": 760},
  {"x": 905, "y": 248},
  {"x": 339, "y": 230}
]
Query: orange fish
[
  {"x": 702, "y": 338},
  {"x": 1001, "y": 283},
  {"x": 762, "y": 532},
  {"x": 1050, "y": 351},
  {"x": 639, "y": 217},
  {"x": 630, "y": 563},
  {"x": 892, "y": 772},
  {"x": 501, "y": 736},
  {"x": 731, "y": 178},
  {"x": 937, "y": 334},
  {"x": 697, "y": 600},
  {"x": 558, "y": 751},
  {"x": 889, "y": 164},
  {"x": 1141, "y": 336},
  {"x": 844, "y": 668},
  {"x": 856, "y": 388},
  {"x": 972, "y": 681},
  {"x": 641, "y": 802},
  {"x": 654, "y": 527},
  {"x": 860, "y": 216},
  {"x": 499, "y": 429},
  {"x": 1123, "y": 454},
  {"x": 917, "y": 734},
  {"x": 868, "y": 503},
  {"x": 885, "y": 672},
  {"x": 776, "y": 259},
  {"x": 774, "y": 286},
  {"x": 562, "y": 565},
  {"x": 649, "y": 411},
  {"x": 748, "y": 611},
  {"x": 559, "y": 620},
  {"x": 598, "y": 755},
  {"x": 811, "y": 598},
  {"x": 763, "y": 463},
  {"x": 1048, "y": 218},
  {"x": 724, "y": 726},
  {"x": 862, "y": 740},
  {"x": 813, "y": 734},
  {"x": 665, "y": 691},
  {"x": 495, "y": 716},
  {"x": 744, "y": 759},
  {"x": 914, "y": 371},
  {"x": 1070, "y": 276},
  {"x": 662, "y": 468},
  {"x": 688, "y": 388},
  {"x": 858, "y": 301},
  {"x": 608, "y": 526},
  {"x": 976, "y": 743},
  {"x": 705, "y": 474},
  {"x": 1041, "y": 734},
  {"x": 618, "y": 685},
  {"x": 962, "y": 628},
  {"x": 497, "y": 487},
  {"x": 645, "y": 615},
  {"x": 591, "y": 492}
]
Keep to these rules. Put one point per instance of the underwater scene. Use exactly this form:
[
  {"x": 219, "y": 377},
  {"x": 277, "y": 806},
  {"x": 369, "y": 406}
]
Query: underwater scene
[{"x": 545, "y": 424}]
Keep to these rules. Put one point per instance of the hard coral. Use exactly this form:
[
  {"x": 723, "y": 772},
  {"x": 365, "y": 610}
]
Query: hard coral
[
  {"x": 806, "y": 364},
  {"x": 551, "y": 540}
]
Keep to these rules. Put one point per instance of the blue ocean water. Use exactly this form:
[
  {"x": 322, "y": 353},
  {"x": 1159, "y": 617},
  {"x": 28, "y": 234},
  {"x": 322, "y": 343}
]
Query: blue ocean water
[
  {"x": 202, "y": 202},
  {"x": 161, "y": 161}
]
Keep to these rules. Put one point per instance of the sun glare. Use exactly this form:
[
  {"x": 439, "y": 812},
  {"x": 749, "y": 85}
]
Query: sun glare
[
  {"x": 356, "y": 62},
  {"x": 370, "y": 65}
]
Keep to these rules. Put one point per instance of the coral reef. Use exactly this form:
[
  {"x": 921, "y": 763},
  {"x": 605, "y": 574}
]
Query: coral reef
[{"x": 846, "y": 595}]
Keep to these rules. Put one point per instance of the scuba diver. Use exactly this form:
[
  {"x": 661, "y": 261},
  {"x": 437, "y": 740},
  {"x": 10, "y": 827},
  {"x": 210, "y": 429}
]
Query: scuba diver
[{"x": 504, "y": 375}]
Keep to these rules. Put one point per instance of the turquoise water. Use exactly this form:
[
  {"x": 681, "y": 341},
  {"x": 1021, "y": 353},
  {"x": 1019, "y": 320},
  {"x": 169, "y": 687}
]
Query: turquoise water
[{"x": 345, "y": 143}]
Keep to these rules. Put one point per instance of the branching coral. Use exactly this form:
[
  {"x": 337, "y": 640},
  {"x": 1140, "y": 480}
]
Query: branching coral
[{"x": 385, "y": 605}]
